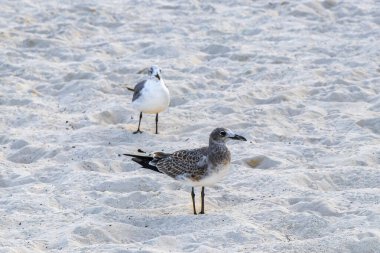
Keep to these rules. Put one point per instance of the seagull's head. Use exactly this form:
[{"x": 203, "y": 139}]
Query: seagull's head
[
  {"x": 222, "y": 135},
  {"x": 155, "y": 71}
]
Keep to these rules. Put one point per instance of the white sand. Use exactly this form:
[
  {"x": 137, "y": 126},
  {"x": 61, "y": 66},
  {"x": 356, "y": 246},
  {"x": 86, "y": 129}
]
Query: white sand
[{"x": 299, "y": 79}]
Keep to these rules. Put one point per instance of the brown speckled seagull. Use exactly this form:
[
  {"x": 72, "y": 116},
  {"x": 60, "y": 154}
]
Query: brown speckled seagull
[{"x": 196, "y": 167}]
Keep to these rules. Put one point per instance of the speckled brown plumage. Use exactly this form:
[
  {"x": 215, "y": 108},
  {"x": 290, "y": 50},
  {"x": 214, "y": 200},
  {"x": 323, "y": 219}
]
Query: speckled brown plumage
[
  {"x": 202, "y": 166},
  {"x": 190, "y": 163}
]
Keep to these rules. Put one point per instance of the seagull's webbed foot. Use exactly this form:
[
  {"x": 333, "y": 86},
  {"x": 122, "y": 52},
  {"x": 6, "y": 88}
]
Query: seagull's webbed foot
[{"x": 138, "y": 128}]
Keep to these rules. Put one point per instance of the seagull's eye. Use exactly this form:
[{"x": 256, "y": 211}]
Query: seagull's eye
[{"x": 223, "y": 133}]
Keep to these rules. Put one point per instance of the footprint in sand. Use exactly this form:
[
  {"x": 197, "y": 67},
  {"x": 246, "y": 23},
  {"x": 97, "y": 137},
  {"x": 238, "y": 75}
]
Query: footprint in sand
[
  {"x": 371, "y": 124},
  {"x": 111, "y": 117},
  {"x": 261, "y": 162},
  {"x": 27, "y": 155}
]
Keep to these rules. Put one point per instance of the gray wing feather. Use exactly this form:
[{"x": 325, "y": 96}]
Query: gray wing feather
[
  {"x": 138, "y": 90},
  {"x": 192, "y": 163}
]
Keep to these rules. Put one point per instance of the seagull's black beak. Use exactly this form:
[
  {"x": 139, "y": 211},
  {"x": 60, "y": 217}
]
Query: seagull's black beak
[
  {"x": 158, "y": 76},
  {"x": 238, "y": 137}
]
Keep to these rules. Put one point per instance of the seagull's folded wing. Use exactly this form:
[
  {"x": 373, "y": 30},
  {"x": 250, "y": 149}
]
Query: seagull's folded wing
[{"x": 190, "y": 163}]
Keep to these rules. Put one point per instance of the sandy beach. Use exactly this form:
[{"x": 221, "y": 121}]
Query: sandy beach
[{"x": 299, "y": 79}]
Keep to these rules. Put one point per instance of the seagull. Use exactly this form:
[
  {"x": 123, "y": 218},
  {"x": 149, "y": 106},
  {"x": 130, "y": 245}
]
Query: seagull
[
  {"x": 151, "y": 96},
  {"x": 195, "y": 167}
]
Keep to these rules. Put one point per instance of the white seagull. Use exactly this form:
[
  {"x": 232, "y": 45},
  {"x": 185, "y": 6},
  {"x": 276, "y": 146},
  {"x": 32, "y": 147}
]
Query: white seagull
[{"x": 151, "y": 96}]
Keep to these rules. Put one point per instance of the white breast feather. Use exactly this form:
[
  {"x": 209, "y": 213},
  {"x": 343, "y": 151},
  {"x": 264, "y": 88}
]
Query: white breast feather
[{"x": 154, "y": 98}]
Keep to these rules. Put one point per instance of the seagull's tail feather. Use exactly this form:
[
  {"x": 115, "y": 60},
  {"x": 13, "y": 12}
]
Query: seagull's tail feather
[{"x": 144, "y": 161}]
